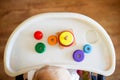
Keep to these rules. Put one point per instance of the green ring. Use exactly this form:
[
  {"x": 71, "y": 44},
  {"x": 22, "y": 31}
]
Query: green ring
[{"x": 40, "y": 47}]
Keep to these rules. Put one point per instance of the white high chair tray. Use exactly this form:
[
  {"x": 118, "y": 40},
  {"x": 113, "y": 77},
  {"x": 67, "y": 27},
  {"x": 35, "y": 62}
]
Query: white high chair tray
[{"x": 20, "y": 55}]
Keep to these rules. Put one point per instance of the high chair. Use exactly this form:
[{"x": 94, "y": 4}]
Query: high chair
[{"x": 64, "y": 39}]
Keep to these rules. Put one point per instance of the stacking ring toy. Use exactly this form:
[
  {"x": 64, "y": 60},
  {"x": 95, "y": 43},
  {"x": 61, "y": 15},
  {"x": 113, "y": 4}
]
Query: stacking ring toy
[
  {"x": 38, "y": 35},
  {"x": 78, "y": 55},
  {"x": 40, "y": 47},
  {"x": 87, "y": 48},
  {"x": 52, "y": 40},
  {"x": 66, "y": 38}
]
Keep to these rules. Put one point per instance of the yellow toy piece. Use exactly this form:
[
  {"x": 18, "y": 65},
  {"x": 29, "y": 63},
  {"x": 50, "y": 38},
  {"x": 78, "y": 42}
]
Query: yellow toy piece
[{"x": 66, "y": 38}]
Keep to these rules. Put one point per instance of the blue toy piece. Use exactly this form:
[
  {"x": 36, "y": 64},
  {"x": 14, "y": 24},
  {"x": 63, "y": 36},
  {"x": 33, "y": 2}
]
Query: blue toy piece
[{"x": 87, "y": 48}]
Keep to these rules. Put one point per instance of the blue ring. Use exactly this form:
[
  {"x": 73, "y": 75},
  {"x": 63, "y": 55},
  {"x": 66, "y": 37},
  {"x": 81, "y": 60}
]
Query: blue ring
[{"x": 87, "y": 48}]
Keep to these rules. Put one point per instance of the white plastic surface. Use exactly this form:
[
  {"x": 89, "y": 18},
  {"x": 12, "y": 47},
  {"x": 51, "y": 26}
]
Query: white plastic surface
[{"x": 20, "y": 56}]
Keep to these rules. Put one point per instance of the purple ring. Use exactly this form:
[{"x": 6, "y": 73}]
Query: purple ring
[{"x": 78, "y": 55}]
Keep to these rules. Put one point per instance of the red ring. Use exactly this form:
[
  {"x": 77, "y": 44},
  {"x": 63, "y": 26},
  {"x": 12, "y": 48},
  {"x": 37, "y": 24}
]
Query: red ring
[{"x": 38, "y": 35}]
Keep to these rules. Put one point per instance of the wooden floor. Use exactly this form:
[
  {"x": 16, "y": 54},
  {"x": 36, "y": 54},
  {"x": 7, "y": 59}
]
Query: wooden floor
[{"x": 106, "y": 12}]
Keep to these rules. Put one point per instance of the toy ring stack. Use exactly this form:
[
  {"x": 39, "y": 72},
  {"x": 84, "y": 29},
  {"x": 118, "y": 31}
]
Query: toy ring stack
[{"x": 66, "y": 38}]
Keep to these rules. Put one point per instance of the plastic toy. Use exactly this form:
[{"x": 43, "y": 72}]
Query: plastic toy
[{"x": 68, "y": 40}]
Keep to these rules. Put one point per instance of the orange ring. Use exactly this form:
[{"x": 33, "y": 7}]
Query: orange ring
[{"x": 52, "y": 40}]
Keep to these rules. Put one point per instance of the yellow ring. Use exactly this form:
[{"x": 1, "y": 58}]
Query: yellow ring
[{"x": 66, "y": 38}]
